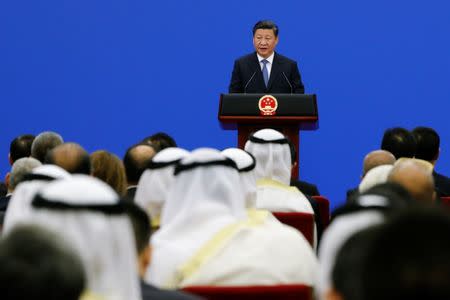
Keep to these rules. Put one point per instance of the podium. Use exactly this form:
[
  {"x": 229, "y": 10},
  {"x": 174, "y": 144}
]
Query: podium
[{"x": 287, "y": 113}]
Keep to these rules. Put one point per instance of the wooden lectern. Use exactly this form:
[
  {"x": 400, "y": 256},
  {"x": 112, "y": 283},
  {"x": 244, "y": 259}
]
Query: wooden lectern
[{"x": 287, "y": 113}]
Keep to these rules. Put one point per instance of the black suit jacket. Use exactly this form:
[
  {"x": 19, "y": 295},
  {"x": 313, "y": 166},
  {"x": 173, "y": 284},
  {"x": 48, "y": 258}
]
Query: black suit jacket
[
  {"x": 247, "y": 71},
  {"x": 442, "y": 184},
  {"x": 150, "y": 292}
]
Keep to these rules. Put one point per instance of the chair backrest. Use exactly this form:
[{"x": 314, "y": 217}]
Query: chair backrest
[
  {"x": 303, "y": 222},
  {"x": 324, "y": 208},
  {"x": 445, "y": 201},
  {"x": 272, "y": 292}
]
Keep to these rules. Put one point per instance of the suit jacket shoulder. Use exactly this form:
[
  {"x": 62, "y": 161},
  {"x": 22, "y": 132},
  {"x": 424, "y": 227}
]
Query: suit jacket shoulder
[{"x": 442, "y": 184}]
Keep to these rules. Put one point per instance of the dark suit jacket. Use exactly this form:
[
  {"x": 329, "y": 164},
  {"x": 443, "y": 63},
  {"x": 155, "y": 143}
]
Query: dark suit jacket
[
  {"x": 150, "y": 292},
  {"x": 4, "y": 201},
  {"x": 305, "y": 187},
  {"x": 248, "y": 66},
  {"x": 442, "y": 185}
]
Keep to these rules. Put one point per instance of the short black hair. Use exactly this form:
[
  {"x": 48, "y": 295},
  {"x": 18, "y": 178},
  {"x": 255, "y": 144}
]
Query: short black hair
[
  {"x": 400, "y": 142},
  {"x": 409, "y": 258},
  {"x": 21, "y": 147},
  {"x": 35, "y": 264},
  {"x": 266, "y": 24},
  {"x": 135, "y": 166},
  {"x": 141, "y": 225},
  {"x": 428, "y": 143},
  {"x": 160, "y": 141}
]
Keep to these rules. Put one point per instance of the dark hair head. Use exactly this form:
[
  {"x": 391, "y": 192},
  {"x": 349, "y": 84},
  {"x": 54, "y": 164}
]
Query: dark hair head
[
  {"x": 135, "y": 161},
  {"x": 409, "y": 258},
  {"x": 428, "y": 143},
  {"x": 21, "y": 147},
  {"x": 71, "y": 157},
  {"x": 141, "y": 225},
  {"x": 400, "y": 142},
  {"x": 266, "y": 24},
  {"x": 160, "y": 141},
  {"x": 36, "y": 265}
]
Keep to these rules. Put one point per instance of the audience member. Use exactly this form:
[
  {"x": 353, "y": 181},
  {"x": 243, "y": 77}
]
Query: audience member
[
  {"x": 204, "y": 224},
  {"x": 142, "y": 232},
  {"x": 409, "y": 258},
  {"x": 71, "y": 157},
  {"x": 416, "y": 177},
  {"x": 156, "y": 182},
  {"x": 43, "y": 143},
  {"x": 90, "y": 217},
  {"x": 19, "y": 208},
  {"x": 135, "y": 161},
  {"x": 35, "y": 264},
  {"x": 160, "y": 141},
  {"x": 19, "y": 169},
  {"x": 20, "y": 147},
  {"x": 428, "y": 148},
  {"x": 109, "y": 168},
  {"x": 273, "y": 172},
  {"x": 375, "y": 176},
  {"x": 400, "y": 142}
]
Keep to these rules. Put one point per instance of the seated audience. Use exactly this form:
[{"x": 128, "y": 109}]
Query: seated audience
[
  {"x": 400, "y": 142},
  {"x": 20, "y": 147},
  {"x": 156, "y": 182},
  {"x": 428, "y": 148},
  {"x": 160, "y": 141},
  {"x": 375, "y": 176},
  {"x": 89, "y": 216},
  {"x": 135, "y": 161},
  {"x": 142, "y": 232},
  {"x": 71, "y": 157},
  {"x": 303, "y": 186},
  {"x": 43, "y": 143},
  {"x": 109, "y": 168},
  {"x": 19, "y": 170},
  {"x": 205, "y": 223},
  {"x": 36, "y": 264},
  {"x": 19, "y": 208}
]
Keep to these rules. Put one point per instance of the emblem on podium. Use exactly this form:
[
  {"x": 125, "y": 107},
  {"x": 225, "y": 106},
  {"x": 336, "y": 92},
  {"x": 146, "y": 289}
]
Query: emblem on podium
[{"x": 268, "y": 105}]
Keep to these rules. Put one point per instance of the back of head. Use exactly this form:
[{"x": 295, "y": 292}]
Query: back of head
[
  {"x": 160, "y": 141},
  {"x": 20, "y": 147},
  {"x": 35, "y": 264},
  {"x": 43, "y": 143},
  {"x": 20, "y": 169},
  {"x": 400, "y": 142},
  {"x": 272, "y": 153},
  {"x": 71, "y": 157},
  {"x": 135, "y": 161},
  {"x": 377, "y": 158},
  {"x": 109, "y": 168},
  {"x": 88, "y": 215},
  {"x": 416, "y": 177},
  {"x": 428, "y": 143},
  {"x": 408, "y": 258}
]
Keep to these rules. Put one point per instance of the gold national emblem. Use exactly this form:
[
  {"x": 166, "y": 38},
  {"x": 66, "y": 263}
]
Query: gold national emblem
[{"x": 268, "y": 105}]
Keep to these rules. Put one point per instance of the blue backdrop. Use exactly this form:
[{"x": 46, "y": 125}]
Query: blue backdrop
[{"x": 107, "y": 73}]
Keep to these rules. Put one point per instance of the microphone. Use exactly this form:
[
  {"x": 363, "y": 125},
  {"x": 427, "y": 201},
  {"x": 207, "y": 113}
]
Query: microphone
[
  {"x": 245, "y": 87},
  {"x": 288, "y": 82}
]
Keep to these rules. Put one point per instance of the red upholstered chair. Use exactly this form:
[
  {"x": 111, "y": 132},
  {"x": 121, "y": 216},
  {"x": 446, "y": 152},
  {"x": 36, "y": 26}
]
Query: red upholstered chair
[
  {"x": 324, "y": 208},
  {"x": 446, "y": 201},
  {"x": 303, "y": 222},
  {"x": 270, "y": 292}
]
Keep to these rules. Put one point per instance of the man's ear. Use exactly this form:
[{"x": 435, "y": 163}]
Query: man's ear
[
  {"x": 10, "y": 159},
  {"x": 7, "y": 179},
  {"x": 333, "y": 294},
  {"x": 294, "y": 165}
]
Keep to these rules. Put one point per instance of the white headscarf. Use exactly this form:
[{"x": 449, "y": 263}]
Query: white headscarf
[
  {"x": 156, "y": 181},
  {"x": 205, "y": 197},
  {"x": 20, "y": 204},
  {"x": 246, "y": 166},
  {"x": 375, "y": 176},
  {"x": 87, "y": 213},
  {"x": 272, "y": 153}
]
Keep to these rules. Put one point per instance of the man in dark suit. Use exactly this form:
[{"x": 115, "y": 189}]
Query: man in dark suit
[
  {"x": 428, "y": 148},
  {"x": 265, "y": 71}
]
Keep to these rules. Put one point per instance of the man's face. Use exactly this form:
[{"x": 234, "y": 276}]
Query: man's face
[{"x": 264, "y": 41}]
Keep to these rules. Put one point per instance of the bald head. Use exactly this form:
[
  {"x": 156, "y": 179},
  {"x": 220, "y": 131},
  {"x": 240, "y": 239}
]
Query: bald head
[
  {"x": 136, "y": 160},
  {"x": 71, "y": 157},
  {"x": 377, "y": 158},
  {"x": 416, "y": 177}
]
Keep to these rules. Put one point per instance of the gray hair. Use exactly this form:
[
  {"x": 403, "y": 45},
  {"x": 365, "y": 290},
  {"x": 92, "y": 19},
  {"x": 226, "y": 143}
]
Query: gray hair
[
  {"x": 20, "y": 168},
  {"x": 43, "y": 143}
]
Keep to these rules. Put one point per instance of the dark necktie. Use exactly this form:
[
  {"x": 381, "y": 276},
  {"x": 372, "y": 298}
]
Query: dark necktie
[{"x": 265, "y": 72}]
